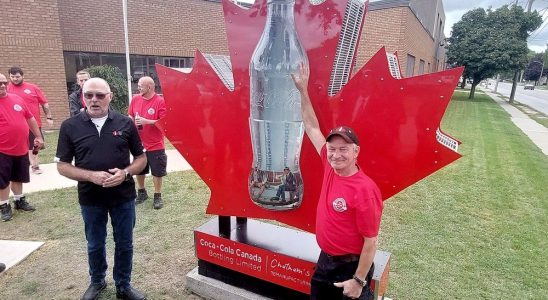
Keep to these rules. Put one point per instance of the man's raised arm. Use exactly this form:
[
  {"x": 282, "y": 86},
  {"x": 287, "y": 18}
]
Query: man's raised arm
[{"x": 311, "y": 125}]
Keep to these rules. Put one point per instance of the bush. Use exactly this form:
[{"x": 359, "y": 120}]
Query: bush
[{"x": 117, "y": 82}]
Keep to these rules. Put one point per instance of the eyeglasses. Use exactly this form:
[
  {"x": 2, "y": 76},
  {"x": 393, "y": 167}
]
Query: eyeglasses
[
  {"x": 98, "y": 96},
  {"x": 3, "y": 82}
]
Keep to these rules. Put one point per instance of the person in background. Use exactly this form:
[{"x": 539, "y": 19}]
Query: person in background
[
  {"x": 34, "y": 98},
  {"x": 15, "y": 122},
  {"x": 146, "y": 109},
  {"x": 76, "y": 99}
]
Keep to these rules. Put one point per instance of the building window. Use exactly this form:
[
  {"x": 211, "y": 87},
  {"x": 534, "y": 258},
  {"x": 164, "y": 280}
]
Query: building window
[
  {"x": 141, "y": 65},
  {"x": 410, "y": 69},
  {"x": 421, "y": 67}
]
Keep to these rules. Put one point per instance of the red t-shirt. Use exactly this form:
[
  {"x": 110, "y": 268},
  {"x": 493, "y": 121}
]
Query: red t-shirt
[
  {"x": 349, "y": 209},
  {"x": 14, "y": 129},
  {"x": 33, "y": 97},
  {"x": 152, "y": 109}
]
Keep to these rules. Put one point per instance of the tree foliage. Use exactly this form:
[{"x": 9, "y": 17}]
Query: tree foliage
[
  {"x": 486, "y": 42},
  {"x": 117, "y": 82},
  {"x": 533, "y": 69}
]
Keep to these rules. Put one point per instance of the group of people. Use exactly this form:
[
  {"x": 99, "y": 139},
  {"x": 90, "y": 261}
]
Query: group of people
[
  {"x": 105, "y": 182},
  {"x": 20, "y": 138},
  {"x": 348, "y": 213}
]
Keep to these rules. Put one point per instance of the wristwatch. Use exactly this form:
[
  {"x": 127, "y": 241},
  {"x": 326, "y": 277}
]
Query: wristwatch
[
  {"x": 363, "y": 283},
  {"x": 128, "y": 176}
]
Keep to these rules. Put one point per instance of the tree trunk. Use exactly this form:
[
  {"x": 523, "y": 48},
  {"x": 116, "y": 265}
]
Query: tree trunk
[
  {"x": 497, "y": 83},
  {"x": 514, "y": 85},
  {"x": 473, "y": 89},
  {"x": 463, "y": 84}
]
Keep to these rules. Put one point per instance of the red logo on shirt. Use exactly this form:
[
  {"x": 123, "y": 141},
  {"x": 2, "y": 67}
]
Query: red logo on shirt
[
  {"x": 17, "y": 107},
  {"x": 27, "y": 91},
  {"x": 339, "y": 205},
  {"x": 151, "y": 111}
]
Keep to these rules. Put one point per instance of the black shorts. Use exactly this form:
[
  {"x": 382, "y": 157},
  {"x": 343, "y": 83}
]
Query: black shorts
[
  {"x": 156, "y": 163},
  {"x": 13, "y": 168},
  {"x": 31, "y": 139},
  {"x": 329, "y": 271}
]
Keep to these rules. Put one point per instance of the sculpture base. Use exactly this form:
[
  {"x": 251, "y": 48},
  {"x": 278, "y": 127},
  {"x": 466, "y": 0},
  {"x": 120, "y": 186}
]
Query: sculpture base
[
  {"x": 273, "y": 261},
  {"x": 258, "y": 256}
]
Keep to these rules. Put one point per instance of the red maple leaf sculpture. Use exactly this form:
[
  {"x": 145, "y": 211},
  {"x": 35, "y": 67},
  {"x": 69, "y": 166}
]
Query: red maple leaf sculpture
[{"x": 397, "y": 120}]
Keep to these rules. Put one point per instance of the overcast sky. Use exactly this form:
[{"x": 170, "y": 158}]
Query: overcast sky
[{"x": 454, "y": 9}]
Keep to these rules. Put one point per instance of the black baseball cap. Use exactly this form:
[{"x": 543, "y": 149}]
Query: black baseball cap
[{"x": 347, "y": 133}]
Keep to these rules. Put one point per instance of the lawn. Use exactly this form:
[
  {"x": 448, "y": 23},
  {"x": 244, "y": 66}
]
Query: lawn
[{"x": 474, "y": 230}]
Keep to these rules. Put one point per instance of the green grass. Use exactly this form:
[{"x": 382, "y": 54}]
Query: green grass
[{"x": 474, "y": 230}]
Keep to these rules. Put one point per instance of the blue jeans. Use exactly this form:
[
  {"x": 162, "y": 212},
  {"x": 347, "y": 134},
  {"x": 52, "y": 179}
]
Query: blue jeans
[{"x": 95, "y": 226}]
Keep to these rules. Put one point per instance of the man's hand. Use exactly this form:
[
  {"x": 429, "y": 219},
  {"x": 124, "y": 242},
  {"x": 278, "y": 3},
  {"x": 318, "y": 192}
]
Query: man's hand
[
  {"x": 39, "y": 142},
  {"x": 143, "y": 121},
  {"x": 99, "y": 177},
  {"x": 301, "y": 82},
  {"x": 351, "y": 288},
  {"x": 118, "y": 176}
]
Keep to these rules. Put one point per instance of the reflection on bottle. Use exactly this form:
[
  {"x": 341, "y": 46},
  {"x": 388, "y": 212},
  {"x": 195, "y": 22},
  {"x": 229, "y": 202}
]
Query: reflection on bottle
[{"x": 275, "y": 111}]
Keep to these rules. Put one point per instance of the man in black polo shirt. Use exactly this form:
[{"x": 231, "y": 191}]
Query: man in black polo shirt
[{"x": 100, "y": 141}]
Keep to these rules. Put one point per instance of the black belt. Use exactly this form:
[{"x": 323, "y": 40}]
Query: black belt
[{"x": 343, "y": 258}]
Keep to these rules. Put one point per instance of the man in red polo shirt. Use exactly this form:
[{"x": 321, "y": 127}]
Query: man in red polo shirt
[
  {"x": 15, "y": 121},
  {"x": 145, "y": 109},
  {"x": 34, "y": 98},
  {"x": 349, "y": 210}
]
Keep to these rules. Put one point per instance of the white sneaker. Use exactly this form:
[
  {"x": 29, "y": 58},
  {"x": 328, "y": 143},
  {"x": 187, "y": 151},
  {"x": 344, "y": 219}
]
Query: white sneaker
[{"x": 36, "y": 170}]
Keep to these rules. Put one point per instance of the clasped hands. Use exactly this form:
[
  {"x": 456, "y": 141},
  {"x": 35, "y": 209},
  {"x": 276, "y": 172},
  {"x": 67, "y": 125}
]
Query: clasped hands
[{"x": 111, "y": 178}]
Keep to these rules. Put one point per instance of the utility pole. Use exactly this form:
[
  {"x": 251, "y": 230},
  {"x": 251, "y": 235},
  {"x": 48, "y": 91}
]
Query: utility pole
[
  {"x": 529, "y": 5},
  {"x": 543, "y": 62},
  {"x": 516, "y": 74}
]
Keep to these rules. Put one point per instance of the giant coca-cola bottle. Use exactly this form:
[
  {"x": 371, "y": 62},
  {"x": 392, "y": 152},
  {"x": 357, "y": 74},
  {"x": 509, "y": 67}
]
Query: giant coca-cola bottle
[{"x": 275, "y": 111}]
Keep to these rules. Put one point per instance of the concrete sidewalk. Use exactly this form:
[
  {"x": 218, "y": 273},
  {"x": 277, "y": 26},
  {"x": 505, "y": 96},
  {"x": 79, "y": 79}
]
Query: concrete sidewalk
[
  {"x": 50, "y": 179},
  {"x": 536, "y": 132}
]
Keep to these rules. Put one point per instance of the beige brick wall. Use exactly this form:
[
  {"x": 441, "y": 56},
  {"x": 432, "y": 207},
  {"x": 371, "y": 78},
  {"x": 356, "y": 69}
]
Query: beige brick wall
[
  {"x": 397, "y": 29},
  {"x": 31, "y": 39},
  {"x": 164, "y": 28}
]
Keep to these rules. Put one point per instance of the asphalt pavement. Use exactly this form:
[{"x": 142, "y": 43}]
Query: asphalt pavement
[{"x": 536, "y": 99}]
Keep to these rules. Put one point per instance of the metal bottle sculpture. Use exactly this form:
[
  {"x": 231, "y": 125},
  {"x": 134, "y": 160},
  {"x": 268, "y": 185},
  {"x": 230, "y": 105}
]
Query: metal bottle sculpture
[{"x": 275, "y": 111}]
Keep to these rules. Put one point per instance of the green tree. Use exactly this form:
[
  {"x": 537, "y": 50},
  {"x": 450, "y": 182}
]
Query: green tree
[
  {"x": 117, "y": 82},
  {"x": 486, "y": 42},
  {"x": 534, "y": 67}
]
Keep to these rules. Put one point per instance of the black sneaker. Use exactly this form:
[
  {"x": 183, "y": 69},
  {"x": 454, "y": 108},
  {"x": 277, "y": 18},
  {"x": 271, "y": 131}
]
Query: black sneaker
[
  {"x": 5, "y": 209},
  {"x": 22, "y": 204},
  {"x": 94, "y": 290},
  {"x": 158, "y": 203},
  {"x": 129, "y": 293},
  {"x": 141, "y": 196}
]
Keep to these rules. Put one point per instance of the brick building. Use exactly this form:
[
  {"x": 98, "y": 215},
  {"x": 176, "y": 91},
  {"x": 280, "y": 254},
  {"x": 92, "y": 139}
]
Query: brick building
[{"x": 53, "y": 39}]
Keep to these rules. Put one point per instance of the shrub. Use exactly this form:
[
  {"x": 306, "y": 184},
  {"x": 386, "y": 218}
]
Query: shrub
[{"x": 117, "y": 82}]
